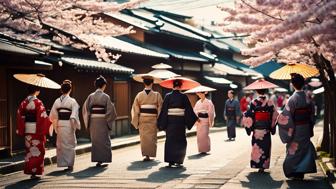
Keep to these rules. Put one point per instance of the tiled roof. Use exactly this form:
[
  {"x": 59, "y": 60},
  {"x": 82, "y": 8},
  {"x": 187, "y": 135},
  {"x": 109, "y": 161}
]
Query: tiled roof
[
  {"x": 96, "y": 65},
  {"x": 123, "y": 46}
]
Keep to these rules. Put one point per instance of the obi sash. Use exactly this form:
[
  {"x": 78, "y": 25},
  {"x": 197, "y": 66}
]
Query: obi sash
[
  {"x": 231, "y": 113},
  {"x": 262, "y": 120},
  {"x": 64, "y": 113},
  {"x": 148, "y": 110},
  {"x": 302, "y": 116},
  {"x": 30, "y": 122},
  {"x": 203, "y": 114},
  {"x": 30, "y": 116},
  {"x": 176, "y": 112},
  {"x": 98, "y": 111}
]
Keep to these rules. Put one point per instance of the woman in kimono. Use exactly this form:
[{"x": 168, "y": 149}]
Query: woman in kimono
[
  {"x": 232, "y": 115},
  {"x": 145, "y": 109},
  {"x": 176, "y": 115},
  {"x": 64, "y": 115},
  {"x": 33, "y": 124},
  {"x": 259, "y": 119},
  {"x": 99, "y": 114},
  {"x": 205, "y": 111},
  {"x": 296, "y": 123}
]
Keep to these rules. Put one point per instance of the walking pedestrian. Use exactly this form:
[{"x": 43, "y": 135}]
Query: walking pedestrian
[
  {"x": 259, "y": 119},
  {"x": 64, "y": 115},
  {"x": 99, "y": 114},
  {"x": 176, "y": 115},
  {"x": 232, "y": 115},
  {"x": 296, "y": 123},
  {"x": 145, "y": 110}
]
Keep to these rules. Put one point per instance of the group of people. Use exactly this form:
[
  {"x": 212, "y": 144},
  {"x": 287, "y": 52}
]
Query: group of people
[{"x": 173, "y": 114}]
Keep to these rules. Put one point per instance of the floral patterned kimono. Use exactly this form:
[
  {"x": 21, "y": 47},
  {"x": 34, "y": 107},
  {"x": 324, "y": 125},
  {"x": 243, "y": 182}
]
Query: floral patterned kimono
[
  {"x": 296, "y": 124},
  {"x": 206, "y": 114},
  {"x": 64, "y": 115},
  {"x": 260, "y": 119},
  {"x": 33, "y": 123}
]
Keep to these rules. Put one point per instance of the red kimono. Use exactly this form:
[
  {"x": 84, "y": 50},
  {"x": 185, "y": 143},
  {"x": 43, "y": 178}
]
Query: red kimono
[{"x": 33, "y": 123}]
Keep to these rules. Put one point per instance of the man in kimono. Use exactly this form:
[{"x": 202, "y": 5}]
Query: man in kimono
[
  {"x": 260, "y": 119},
  {"x": 33, "y": 124},
  {"x": 146, "y": 107},
  {"x": 296, "y": 124},
  {"x": 99, "y": 114},
  {"x": 176, "y": 115},
  {"x": 64, "y": 115},
  {"x": 232, "y": 115}
]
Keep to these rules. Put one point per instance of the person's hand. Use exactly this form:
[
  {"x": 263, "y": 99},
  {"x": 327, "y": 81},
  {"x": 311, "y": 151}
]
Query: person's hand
[{"x": 225, "y": 117}]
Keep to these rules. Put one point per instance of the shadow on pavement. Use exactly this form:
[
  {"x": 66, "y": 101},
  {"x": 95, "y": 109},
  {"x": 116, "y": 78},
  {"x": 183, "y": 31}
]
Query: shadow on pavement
[
  {"x": 88, "y": 172},
  {"x": 28, "y": 183},
  {"x": 142, "y": 165},
  {"x": 58, "y": 173},
  {"x": 261, "y": 181},
  {"x": 316, "y": 182},
  {"x": 197, "y": 156},
  {"x": 165, "y": 174}
]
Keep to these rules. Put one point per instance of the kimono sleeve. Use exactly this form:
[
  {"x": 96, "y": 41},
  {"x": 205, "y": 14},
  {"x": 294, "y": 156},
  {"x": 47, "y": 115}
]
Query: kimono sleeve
[
  {"x": 135, "y": 112},
  {"x": 212, "y": 113},
  {"x": 159, "y": 103},
  {"x": 86, "y": 112},
  {"x": 275, "y": 115},
  {"x": 248, "y": 119},
  {"x": 20, "y": 120},
  {"x": 54, "y": 116},
  {"x": 237, "y": 108},
  {"x": 286, "y": 123},
  {"x": 111, "y": 113},
  {"x": 74, "y": 118},
  {"x": 189, "y": 115},
  {"x": 224, "y": 113},
  {"x": 163, "y": 116},
  {"x": 43, "y": 121}
]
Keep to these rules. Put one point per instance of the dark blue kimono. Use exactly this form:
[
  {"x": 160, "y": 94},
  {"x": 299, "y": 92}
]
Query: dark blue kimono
[{"x": 175, "y": 125}]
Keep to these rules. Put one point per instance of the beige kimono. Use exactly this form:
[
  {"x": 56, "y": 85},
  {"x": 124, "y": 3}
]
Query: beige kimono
[
  {"x": 64, "y": 115},
  {"x": 145, "y": 110}
]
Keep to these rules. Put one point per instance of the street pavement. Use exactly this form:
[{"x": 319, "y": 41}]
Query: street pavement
[{"x": 227, "y": 166}]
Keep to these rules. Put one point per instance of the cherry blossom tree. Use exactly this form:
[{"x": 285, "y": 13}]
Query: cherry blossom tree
[
  {"x": 291, "y": 31},
  {"x": 67, "y": 22}
]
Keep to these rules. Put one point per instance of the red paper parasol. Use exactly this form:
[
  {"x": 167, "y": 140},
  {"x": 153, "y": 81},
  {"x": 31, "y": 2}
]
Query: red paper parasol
[
  {"x": 260, "y": 84},
  {"x": 186, "y": 83}
]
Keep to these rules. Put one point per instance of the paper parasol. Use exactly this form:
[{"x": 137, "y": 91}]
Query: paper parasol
[
  {"x": 186, "y": 83},
  {"x": 200, "y": 89},
  {"x": 161, "y": 66},
  {"x": 37, "y": 80},
  {"x": 163, "y": 74},
  {"x": 141, "y": 77},
  {"x": 260, "y": 84},
  {"x": 285, "y": 72}
]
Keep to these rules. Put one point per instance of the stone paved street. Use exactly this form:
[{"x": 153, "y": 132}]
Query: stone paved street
[{"x": 226, "y": 167}]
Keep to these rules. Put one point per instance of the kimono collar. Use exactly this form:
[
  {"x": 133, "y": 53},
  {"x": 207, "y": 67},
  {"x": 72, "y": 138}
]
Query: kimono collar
[
  {"x": 147, "y": 90},
  {"x": 31, "y": 97},
  {"x": 64, "y": 97},
  {"x": 99, "y": 90}
]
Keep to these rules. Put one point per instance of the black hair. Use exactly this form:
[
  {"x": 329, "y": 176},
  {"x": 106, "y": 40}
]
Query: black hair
[
  {"x": 148, "y": 81},
  {"x": 66, "y": 86},
  {"x": 32, "y": 89},
  {"x": 231, "y": 92},
  {"x": 262, "y": 91},
  {"x": 297, "y": 80},
  {"x": 100, "y": 82},
  {"x": 177, "y": 83}
]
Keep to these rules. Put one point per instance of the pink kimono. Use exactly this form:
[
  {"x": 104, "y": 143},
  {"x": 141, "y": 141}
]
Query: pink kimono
[{"x": 206, "y": 113}]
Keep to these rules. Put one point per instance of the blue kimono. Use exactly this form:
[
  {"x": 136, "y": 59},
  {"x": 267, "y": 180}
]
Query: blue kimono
[
  {"x": 175, "y": 117},
  {"x": 231, "y": 112},
  {"x": 296, "y": 124}
]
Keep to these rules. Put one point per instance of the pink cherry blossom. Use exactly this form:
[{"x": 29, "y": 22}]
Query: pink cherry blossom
[
  {"x": 283, "y": 120},
  {"x": 293, "y": 148},
  {"x": 247, "y": 122},
  {"x": 35, "y": 152},
  {"x": 259, "y": 134},
  {"x": 266, "y": 164},
  {"x": 256, "y": 153}
]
